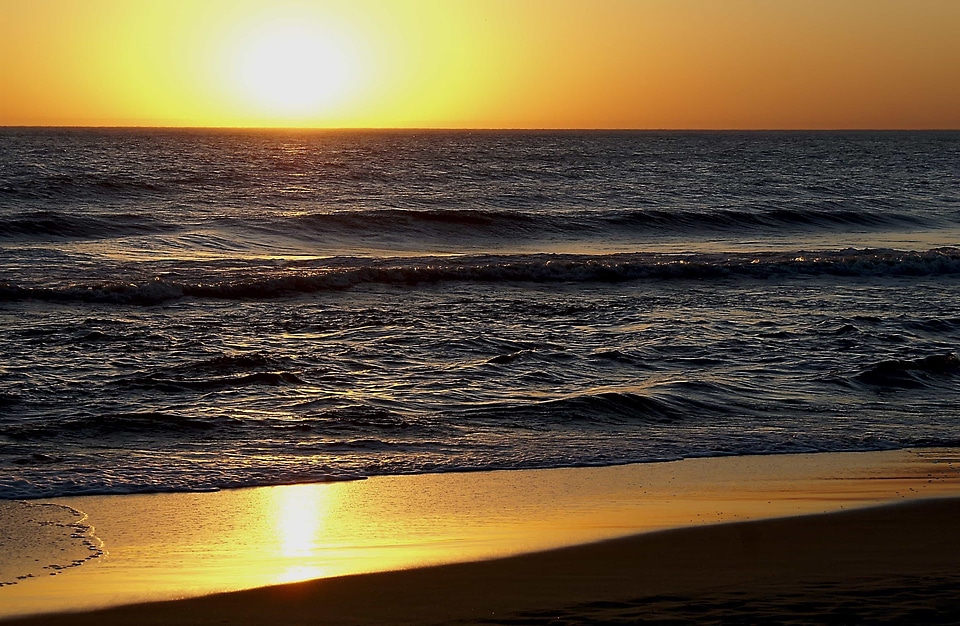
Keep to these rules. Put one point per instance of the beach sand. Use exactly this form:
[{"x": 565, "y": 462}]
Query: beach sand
[{"x": 898, "y": 562}]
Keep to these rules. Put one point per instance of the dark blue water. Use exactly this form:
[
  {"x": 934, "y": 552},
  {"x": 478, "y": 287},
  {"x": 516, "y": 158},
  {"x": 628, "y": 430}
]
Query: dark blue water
[{"x": 186, "y": 310}]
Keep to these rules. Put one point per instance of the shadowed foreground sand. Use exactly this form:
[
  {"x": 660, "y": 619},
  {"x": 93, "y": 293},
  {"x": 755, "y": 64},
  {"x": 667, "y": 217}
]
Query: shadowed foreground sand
[{"x": 893, "y": 564}]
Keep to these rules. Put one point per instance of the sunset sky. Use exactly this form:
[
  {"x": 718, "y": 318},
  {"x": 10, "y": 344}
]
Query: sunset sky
[{"x": 482, "y": 63}]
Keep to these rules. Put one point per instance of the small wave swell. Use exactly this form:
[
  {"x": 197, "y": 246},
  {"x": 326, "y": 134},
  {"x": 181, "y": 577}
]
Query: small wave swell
[
  {"x": 465, "y": 224},
  {"x": 412, "y": 220},
  {"x": 179, "y": 383},
  {"x": 112, "y": 424},
  {"x": 911, "y": 373},
  {"x": 44, "y": 224},
  {"x": 266, "y": 283},
  {"x": 775, "y": 218},
  {"x": 603, "y": 408},
  {"x": 615, "y": 406}
]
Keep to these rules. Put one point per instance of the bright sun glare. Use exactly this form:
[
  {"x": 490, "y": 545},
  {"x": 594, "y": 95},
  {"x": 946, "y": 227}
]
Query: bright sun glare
[{"x": 295, "y": 69}]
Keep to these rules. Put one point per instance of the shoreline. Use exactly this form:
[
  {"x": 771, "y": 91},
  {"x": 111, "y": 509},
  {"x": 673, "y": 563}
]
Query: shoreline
[
  {"x": 890, "y": 564},
  {"x": 173, "y": 546}
]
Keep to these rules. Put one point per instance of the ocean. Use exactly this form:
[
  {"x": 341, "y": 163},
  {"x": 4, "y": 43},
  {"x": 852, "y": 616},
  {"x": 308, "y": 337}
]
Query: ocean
[{"x": 193, "y": 310}]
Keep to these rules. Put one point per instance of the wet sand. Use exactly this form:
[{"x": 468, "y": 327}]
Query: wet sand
[
  {"x": 899, "y": 564},
  {"x": 870, "y": 564}
]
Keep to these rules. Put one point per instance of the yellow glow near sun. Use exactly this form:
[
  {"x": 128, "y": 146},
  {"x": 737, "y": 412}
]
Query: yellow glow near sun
[{"x": 293, "y": 69}]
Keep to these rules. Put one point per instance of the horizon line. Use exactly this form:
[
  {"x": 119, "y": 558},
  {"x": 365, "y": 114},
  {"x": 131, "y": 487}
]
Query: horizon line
[{"x": 470, "y": 128}]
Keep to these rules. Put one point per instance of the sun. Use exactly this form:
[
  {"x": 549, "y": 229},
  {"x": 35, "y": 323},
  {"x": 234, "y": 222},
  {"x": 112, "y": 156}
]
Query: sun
[{"x": 295, "y": 69}]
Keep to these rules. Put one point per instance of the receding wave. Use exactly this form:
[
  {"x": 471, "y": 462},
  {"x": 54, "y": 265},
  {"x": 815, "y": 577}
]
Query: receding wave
[{"x": 265, "y": 283}]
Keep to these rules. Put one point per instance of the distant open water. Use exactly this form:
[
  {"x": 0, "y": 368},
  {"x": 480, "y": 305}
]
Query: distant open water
[{"x": 192, "y": 310}]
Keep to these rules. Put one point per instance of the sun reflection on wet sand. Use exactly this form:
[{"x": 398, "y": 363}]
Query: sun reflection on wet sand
[
  {"x": 300, "y": 512},
  {"x": 176, "y": 545},
  {"x": 300, "y": 516}
]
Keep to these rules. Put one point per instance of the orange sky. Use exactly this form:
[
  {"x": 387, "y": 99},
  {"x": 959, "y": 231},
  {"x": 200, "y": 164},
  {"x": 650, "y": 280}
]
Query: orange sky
[{"x": 482, "y": 63}]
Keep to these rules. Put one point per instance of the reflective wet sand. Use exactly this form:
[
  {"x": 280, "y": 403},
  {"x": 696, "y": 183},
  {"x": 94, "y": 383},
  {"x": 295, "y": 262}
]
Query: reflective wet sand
[{"x": 166, "y": 546}]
